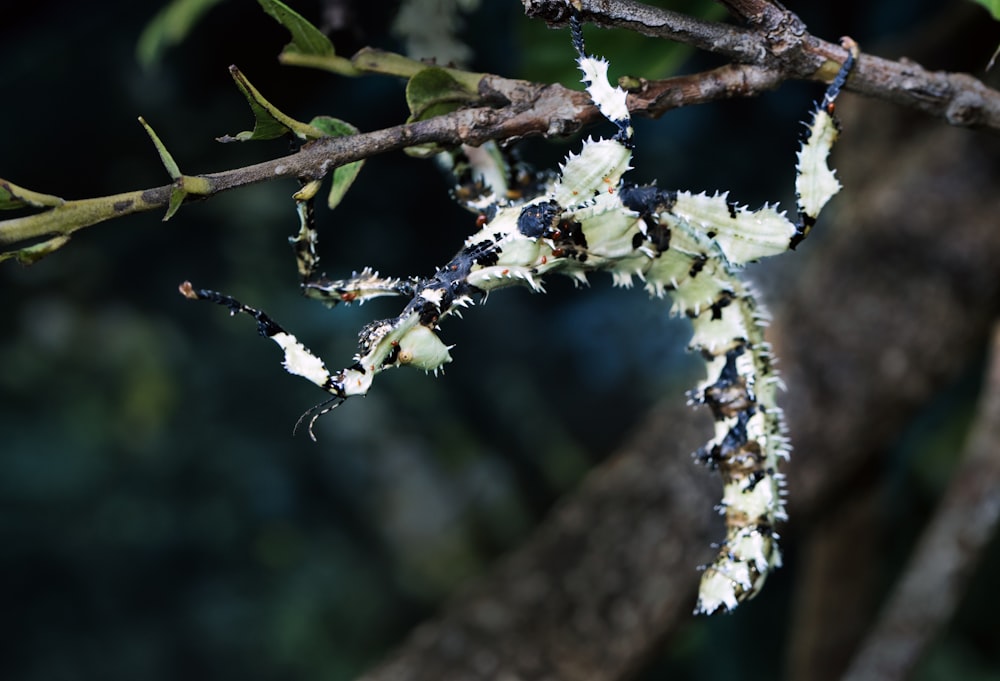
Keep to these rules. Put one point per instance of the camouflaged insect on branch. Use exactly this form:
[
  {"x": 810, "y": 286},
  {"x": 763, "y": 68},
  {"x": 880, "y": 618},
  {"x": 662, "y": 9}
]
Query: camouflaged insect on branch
[{"x": 586, "y": 218}]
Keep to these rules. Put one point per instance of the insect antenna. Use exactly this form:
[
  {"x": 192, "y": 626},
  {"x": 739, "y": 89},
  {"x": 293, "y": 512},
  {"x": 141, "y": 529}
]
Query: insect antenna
[{"x": 313, "y": 413}]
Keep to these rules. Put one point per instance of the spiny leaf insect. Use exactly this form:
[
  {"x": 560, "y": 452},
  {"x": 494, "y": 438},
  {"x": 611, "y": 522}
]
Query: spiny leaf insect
[{"x": 583, "y": 219}]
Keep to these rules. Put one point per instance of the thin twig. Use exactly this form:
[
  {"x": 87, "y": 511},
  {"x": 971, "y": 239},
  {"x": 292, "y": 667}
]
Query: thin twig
[{"x": 947, "y": 554}]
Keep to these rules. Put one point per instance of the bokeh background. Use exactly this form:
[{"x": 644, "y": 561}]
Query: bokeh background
[{"x": 158, "y": 519}]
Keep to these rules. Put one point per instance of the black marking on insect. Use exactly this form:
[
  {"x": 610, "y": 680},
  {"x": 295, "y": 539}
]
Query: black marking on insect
[
  {"x": 697, "y": 265},
  {"x": 482, "y": 253},
  {"x": 538, "y": 219},
  {"x": 646, "y": 200}
]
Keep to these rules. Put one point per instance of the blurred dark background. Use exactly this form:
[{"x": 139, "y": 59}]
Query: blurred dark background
[{"x": 158, "y": 519}]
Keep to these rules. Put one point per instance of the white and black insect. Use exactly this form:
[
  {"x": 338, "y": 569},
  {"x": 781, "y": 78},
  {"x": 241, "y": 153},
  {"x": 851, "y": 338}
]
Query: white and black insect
[{"x": 586, "y": 219}]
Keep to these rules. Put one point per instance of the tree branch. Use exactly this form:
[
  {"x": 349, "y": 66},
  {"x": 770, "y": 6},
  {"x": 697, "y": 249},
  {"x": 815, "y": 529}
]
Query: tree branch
[
  {"x": 737, "y": 43},
  {"x": 778, "y": 48},
  {"x": 778, "y": 41},
  {"x": 530, "y": 109},
  {"x": 762, "y": 14},
  {"x": 966, "y": 520}
]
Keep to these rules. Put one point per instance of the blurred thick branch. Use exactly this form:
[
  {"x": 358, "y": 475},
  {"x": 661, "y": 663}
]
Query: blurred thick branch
[{"x": 966, "y": 520}]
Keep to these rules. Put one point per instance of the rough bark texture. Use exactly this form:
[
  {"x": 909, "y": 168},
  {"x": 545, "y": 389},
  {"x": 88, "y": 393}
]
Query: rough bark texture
[{"x": 900, "y": 291}]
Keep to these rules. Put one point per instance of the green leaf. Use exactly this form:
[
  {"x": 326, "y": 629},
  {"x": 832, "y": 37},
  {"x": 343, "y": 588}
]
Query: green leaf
[
  {"x": 993, "y": 6},
  {"x": 308, "y": 190},
  {"x": 168, "y": 161},
  {"x": 306, "y": 38},
  {"x": 177, "y": 197},
  {"x": 343, "y": 176},
  {"x": 13, "y": 197},
  {"x": 433, "y": 92},
  {"x": 269, "y": 121},
  {"x": 309, "y": 46},
  {"x": 29, "y": 255},
  {"x": 169, "y": 27}
]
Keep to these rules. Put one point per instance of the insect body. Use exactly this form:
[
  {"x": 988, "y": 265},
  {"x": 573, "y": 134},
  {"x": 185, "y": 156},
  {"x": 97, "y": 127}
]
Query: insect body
[{"x": 588, "y": 219}]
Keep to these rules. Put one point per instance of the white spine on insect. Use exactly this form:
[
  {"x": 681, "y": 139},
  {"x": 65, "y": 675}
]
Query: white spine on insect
[{"x": 690, "y": 246}]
